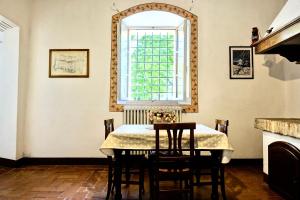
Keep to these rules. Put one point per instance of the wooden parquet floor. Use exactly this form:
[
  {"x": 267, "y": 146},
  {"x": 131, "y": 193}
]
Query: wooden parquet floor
[{"x": 89, "y": 182}]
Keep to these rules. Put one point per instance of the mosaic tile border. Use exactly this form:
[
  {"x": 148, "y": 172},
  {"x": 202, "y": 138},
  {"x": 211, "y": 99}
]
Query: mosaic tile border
[{"x": 113, "y": 105}]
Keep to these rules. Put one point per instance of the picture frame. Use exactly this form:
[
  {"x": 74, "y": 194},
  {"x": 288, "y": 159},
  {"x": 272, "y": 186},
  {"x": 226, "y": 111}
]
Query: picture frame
[
  {"x": 241, "y": 62},
  {"x": 68, "y": 63}
]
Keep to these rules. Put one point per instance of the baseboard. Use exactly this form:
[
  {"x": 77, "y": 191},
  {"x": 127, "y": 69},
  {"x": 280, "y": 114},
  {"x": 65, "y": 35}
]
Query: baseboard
[
  {"x": 94, "y": 161},
  {"x": 65, "y": 161},
  {"x": 52, "y": 161},
  {"x": 265, "y": 177},
  {"x": 8, "y": 162}
]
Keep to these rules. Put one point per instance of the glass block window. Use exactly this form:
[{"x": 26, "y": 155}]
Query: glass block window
[
  {"x": 154, "y": 64},
  {"x": 152, "y": 67}
]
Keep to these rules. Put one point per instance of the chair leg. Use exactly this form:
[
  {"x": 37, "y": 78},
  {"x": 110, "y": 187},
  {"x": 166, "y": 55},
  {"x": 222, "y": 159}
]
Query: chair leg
[
  {"x": 191, "y": 193},
  {"x": 156, "y": 183},
  {"x": 198, "y": 175},
  {"x": 222, "y": 180},
  {"x": 127, "y": 168},
  {"x": 109, "y": 181},
  {"x": 156, "y": 190},
  {"x": 180, "y": 184},
  {"x": 141, "y": 181},
  {"x": 191, "y": 185},
  {"x": 197, "y": 170},
  {"x": 151, "y": 184},
  {"x": 127, "y": 173},
  {"x": 186, "y": 186}
]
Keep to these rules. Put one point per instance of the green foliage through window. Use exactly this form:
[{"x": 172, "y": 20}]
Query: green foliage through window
[{"x": 152, "y": 65}]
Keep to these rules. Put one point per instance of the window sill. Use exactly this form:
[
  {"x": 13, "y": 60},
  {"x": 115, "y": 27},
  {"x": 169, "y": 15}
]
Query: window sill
[{"x": 154, "y": 103}]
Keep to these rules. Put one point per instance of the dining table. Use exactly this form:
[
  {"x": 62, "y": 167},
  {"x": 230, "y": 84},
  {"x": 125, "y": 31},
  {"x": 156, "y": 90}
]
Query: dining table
[{"x": 141, "y": 138}]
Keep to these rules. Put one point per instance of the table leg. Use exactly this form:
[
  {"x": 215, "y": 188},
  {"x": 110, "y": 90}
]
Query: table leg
[
  {"x": 118, "y": 173},
  {"x": 215, "y": 170}
]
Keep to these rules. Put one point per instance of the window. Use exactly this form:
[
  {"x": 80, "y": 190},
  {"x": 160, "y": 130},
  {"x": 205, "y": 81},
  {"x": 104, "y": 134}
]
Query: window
[
  {"x": 154, "y": 57},
  {"x": 153, "y": 65}
]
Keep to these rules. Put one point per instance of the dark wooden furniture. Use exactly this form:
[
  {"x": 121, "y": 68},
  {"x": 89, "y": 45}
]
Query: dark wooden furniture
[
  {"x": 216, "y": 155},
  {"x": 171, "y": 163},
  {"x": 109, "y": 127},
  {"x": 284, "y": 41},
  {"x": 284, "y": 169},
  {"x": 129, "y": 159},
  {"x": 204, "y": 163},
  {"x": 222, "y": 125}
]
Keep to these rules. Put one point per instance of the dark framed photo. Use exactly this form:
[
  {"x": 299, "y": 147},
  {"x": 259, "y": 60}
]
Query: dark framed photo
[
  {"x": 69, "y": 63},
  {"x": 241, "y": 62}
]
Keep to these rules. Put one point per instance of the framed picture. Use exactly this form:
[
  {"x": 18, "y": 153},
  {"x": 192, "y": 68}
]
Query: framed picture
[
  {"x": 241, "y": 62},
  {"x": 69, "y": 63}
]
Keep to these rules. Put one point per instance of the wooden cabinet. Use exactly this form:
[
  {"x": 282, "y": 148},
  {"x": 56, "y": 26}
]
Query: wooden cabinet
[
  {"x": 285, "y": 41},
  {"x": 284, "y": 169}
]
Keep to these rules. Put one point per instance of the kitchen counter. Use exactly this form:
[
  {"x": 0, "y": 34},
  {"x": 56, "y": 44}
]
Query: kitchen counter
[
  {"x": 277, "y": 129},
  {"x": 282, "y": 126},
  {"x": 281, "y": 154}
]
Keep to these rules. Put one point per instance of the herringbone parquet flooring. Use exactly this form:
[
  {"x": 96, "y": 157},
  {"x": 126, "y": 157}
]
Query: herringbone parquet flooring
[{"x": 89, "y": 182}]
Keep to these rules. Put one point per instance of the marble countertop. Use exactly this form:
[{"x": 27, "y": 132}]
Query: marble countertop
[{"x": 283, "y": 126}]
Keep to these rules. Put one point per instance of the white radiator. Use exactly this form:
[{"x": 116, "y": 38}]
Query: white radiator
[{"x": 139, "y": 114}]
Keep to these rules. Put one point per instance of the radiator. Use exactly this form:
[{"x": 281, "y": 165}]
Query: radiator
[{"x": 139, "y": 114}]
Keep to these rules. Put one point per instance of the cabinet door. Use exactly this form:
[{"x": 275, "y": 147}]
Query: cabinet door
[{"x": 284, "y": 169}]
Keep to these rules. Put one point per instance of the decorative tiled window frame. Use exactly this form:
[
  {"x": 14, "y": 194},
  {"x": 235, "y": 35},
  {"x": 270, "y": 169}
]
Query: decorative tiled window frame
[{"x": 113, "y": 105}]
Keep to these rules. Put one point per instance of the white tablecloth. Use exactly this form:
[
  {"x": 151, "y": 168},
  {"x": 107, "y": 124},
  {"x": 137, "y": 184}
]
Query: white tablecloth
[{"x": 142, "y": 137}]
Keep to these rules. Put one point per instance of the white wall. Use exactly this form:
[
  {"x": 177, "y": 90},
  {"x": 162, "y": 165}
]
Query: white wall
[
  {"x": 1, "y": 46},
  {"x": 9, "y": 65},
  {"x": 292, "y": 71},
  {"x": 1, "y": 37},
  {"x": 284, "y": 70},
  {"x": 293, "y": 95},
  {"x": 18, "y": 11},
  {"x": 64, "y": 117},
  {"x": 289, "y": 12},
  {"x": 292, "y": 85}
]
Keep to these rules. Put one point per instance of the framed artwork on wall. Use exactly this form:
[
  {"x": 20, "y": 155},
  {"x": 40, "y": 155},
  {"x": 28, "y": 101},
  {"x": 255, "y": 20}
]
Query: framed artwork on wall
[
  {"x": 69, "y": 63},
  {"x": 241, "y": 62}
]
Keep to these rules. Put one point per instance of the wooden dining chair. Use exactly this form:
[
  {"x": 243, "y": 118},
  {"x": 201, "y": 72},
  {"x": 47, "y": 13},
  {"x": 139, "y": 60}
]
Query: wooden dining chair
[
  {"x": 202, "y": 169},
  {"x": 171, "y": 163},
  {"x": 222, "y": 125},
  {"x": 109, "y": 127}
]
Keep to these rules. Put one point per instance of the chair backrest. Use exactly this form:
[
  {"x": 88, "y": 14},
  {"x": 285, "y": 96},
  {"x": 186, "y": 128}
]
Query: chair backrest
[
  {"x": 109, "y": 126},
  {"x": 222, "y": 125},
  {"x": 175, "y": 133}
]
